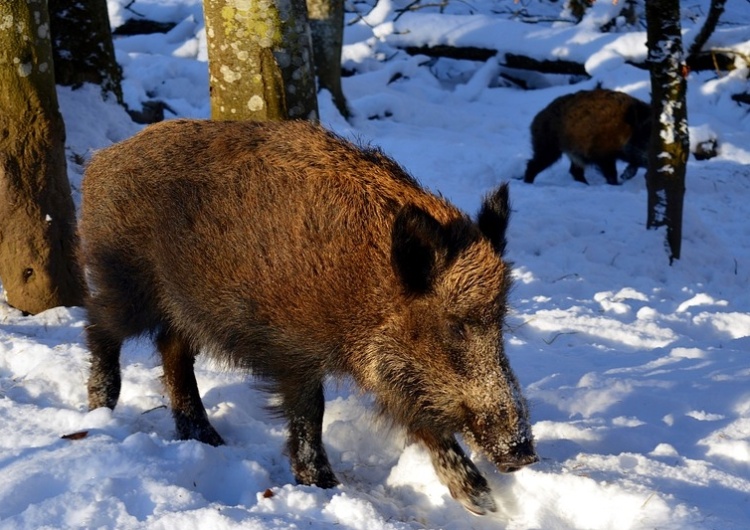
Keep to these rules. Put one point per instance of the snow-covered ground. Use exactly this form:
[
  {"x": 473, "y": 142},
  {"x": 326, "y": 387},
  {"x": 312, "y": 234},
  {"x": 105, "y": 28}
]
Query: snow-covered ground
[{"x": 637, "y": 372}]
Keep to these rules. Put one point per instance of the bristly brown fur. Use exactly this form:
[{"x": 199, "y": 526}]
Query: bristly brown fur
[{"x": 282, "y": 249}]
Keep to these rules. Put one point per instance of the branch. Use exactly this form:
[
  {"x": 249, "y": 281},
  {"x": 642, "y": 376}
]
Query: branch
[{"x": 714, "y": 13}]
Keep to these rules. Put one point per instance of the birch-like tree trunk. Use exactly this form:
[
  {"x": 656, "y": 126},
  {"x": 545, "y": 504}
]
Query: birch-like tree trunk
[
  {"x": 260, "y": 60},
  {"x": 327, "y": 25},
  {"x": 665, "y": 177},
  {"x": 82, "y": 45},
  {"x": 37, "y": 218}
]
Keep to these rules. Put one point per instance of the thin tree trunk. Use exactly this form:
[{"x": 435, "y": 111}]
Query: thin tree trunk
[
  {"x": 665, "y": 177},
  {"x": 327, "y": 25},
  {"x": 37, "y": 217},
  {"x": 714, "y": 14},
  {"x": 82, "y": 45},
  {"x": 578, "y": 7},
  {"x": 260, "y": 60}
]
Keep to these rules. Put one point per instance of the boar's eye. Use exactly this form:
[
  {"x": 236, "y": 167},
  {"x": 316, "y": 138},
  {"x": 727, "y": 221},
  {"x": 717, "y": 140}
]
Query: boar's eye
[{"x": 459, "y": 330}]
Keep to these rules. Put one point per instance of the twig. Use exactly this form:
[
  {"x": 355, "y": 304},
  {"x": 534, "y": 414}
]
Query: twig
[
  {"x": 414, "y": 7},
  {"x": 133, "y": 10},
  {"x": 553, "y": 339},
  {"x": 565, "y": 277},
  {"x": 647, "y": 499},
  {"x": 153, "y": 409}
]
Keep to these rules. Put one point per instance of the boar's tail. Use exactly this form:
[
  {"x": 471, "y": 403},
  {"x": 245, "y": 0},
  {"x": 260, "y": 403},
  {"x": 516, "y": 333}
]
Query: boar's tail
[{"x": 493, "y": 217}]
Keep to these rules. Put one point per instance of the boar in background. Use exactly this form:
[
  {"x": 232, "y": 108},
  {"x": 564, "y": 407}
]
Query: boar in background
[{"x": 592, "y": 127}]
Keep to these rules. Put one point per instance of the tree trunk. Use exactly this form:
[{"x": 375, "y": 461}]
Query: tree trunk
[
  {"x": 37, "y": 217},
  {"x": 82, "y": 45},
  {"x": 578, "y": 8},
  {"x": 665, "y": 177},
  {"x": 260, "y": 60},
  {"x": 327, "y": 25},
  {"x": 714, "y": 14}
]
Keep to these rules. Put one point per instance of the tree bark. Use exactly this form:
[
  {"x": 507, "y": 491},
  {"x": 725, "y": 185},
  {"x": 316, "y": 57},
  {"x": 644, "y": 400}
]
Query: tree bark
[
  {"x": 260, "y": 60},
  {"x": 578, "y": 8},
  {"x": 327, "y": 26},
  {"x": 714, "y": 14},
  {"x": 665, "y": 177},
  {"x": 82, "y": 45},
  {"x": 37, "y": 216}
]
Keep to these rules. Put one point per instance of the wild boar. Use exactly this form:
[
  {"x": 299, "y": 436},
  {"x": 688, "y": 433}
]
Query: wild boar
[
  {"x": 595, "y": 127},
  {"x": 284, "y": 250}
]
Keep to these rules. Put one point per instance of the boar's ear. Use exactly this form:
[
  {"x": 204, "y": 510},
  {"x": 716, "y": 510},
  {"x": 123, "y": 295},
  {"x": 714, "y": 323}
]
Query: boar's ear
[
  {"x": 493, "y": 217},
  {"x": 418, "y": 241}
]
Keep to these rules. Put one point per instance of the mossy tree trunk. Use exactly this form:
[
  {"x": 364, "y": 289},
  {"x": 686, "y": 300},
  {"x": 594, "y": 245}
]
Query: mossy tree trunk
[
  {"x": 327, "y": 25},
  {"x": 82, "y": 45},
  {"x": 260, "y": 60},
  {"x": 37, "y": 217},
  {"x": 665, "y": 177}
]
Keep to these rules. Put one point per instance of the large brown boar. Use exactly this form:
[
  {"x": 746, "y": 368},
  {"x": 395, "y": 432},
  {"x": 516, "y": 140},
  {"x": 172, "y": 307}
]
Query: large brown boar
[
  {"x": 284, "y": 250},
  {"x": 595, "y": 127}
]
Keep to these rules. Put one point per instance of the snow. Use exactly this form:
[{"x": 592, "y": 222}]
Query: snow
[{"x": 637, "y": 372}]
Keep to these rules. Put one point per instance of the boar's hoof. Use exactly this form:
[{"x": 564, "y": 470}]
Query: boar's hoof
[
  {"x": 203, "y": 432},
  {"x": 478, "y": 502},
  {"x": 327, "y": 481},
  {"x": 211, "y": 438},
  {"x": 323, "y": 478}
]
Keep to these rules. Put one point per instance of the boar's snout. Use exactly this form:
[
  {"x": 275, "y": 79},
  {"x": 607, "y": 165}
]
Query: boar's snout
[
  {"x": 521, "y": 455},
  {"x": 509, "y": 445}
]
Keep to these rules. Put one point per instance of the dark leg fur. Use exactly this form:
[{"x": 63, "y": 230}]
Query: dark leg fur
[
  {"x": 541, "y": 160},
  {"x": 104, "y": 378},
  {"x": 465, "y": 483},
  {"x": 304, "y": 409},
  {"x": 191, "y": 421},
  {"x": 608, "y": 168},
  {"x": 629, "y": 172},
  {"x": 577, "y": 172}
]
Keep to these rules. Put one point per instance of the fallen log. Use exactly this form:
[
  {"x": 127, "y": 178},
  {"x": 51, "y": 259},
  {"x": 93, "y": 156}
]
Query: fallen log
[
  {"x": 719, "y": 60},
  {"x": 545, "y": 66},
  {"x": 468, "y": 53}
]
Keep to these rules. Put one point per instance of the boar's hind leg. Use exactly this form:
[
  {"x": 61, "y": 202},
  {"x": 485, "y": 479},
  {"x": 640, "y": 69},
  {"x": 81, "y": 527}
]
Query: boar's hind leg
[
  {"x": 608, "y": 167},
  {"x": 543, "y": 158},
  {"x": 629, "y": 172},
  {"x": 104, "y": 377},
  {"x": 577, "y": 172},
  {"x": 303, "y": 406},
  {"x": 465, "y": 483},
  {"x": 545, "y": 154},
  {"x": 191, "y": 421}
]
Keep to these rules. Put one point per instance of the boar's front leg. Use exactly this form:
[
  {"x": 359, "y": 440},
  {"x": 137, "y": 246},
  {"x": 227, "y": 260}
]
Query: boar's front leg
[
  {"x": 104, "y": 379},
  {"x": 191, "y": 421},
  {"x": 303, "y": 407},
  {"x": 456, "y": 470}
]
